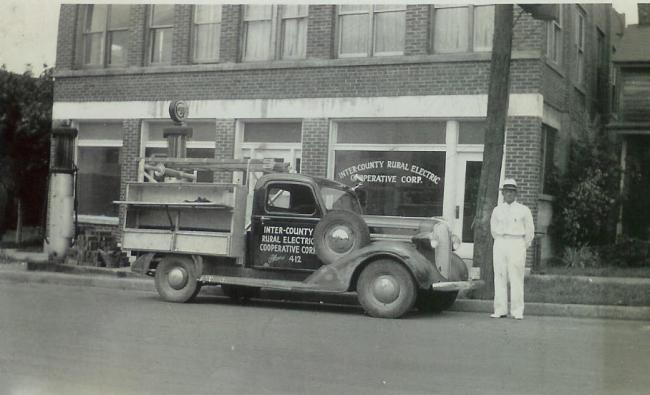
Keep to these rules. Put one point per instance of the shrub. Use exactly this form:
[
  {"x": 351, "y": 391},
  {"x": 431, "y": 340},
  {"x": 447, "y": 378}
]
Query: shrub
[
  {"x": 626, "y": 253},
  {"x": 586, "y": 194},
  {"x": 580, "y": 257}
]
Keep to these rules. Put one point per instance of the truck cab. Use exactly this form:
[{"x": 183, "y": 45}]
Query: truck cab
[{"x": 296, "y": 233}]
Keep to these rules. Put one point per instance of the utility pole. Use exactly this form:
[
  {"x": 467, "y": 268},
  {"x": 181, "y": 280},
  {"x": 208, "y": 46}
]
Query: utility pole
[{"x": 497, "y": 113}]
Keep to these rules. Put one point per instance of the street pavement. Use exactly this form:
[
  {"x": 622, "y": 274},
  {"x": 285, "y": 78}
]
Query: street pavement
[{"x": 93, "y": 340}]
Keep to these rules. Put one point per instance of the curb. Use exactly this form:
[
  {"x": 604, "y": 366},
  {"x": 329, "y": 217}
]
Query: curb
[
  {"x": 634, "y": 313},
  {"x": 20, "y": 274}
]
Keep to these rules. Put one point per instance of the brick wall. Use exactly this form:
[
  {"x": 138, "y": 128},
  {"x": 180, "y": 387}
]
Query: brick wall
[
  {"x": 457, "y": 78},
  {"x": 230, "y": 27},
  {"x": 137, "y": 23},
  {"x": 528, "y": 34},
  {"x": 66, "y": 41},
  {"x": 644, "y": 13},
  {"x": 225, "y": 146},
  {"x": 320, "y": 31},
  {"x": 182, "y": 43},
  {"x": 315, "y": 143},
  {"x": 416, "y": 40},
  {"x": 129, "y": 154}
]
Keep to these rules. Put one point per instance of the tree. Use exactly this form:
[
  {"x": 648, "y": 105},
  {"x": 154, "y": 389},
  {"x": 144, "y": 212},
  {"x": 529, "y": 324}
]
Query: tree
[
  {"x": 497, "y": 111},
  {"x": 25, "y": 125}
]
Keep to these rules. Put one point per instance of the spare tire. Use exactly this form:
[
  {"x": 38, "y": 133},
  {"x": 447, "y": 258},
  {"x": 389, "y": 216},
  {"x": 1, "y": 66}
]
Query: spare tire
[{"x": 338, "y": 234}]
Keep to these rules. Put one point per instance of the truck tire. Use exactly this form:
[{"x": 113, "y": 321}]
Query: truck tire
[
  {"x": 338, "y": 234},
  {"x": 176, "y": 279},
  {"x": 430, "y": 301},
  {"x": 386, "y": 289}
]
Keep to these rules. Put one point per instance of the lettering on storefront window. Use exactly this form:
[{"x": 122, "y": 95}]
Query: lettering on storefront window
[
  {"x": 400, "y": 183},
  {"x": 421, "y": 174}
]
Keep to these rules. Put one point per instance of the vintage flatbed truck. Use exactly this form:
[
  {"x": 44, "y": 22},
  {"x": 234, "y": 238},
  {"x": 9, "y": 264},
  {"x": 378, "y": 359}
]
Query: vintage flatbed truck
[{"x": 293, "y": 232}]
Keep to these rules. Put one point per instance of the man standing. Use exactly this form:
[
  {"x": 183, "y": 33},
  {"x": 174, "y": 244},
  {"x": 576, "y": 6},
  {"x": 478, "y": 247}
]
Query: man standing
[{"x": 513, "y": 231}]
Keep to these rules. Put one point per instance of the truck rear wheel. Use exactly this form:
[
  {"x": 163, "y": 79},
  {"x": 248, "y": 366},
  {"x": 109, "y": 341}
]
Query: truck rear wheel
[
  {"x": 176, "y": 279},
  {"x": 386, "y": 289},
  {"x": 430, "y": 301},
  {"x": 338, "y": 234}
]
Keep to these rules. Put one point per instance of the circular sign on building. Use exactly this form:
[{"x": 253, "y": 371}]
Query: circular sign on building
[{"x": 178, "y": 111}]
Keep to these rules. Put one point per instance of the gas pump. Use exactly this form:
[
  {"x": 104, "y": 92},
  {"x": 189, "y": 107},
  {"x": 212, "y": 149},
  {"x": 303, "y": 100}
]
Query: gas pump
[{"x": 61, "y": 208}]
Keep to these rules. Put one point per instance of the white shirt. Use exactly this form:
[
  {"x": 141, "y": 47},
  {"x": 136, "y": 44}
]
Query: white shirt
[{"x": 512, "y": 220}]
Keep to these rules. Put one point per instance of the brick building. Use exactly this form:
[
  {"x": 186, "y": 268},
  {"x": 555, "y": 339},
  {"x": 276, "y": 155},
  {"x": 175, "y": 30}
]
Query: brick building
[{"x": 393, "y": 95}]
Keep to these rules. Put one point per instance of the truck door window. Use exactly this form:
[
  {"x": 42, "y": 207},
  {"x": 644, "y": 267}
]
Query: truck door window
[{"x": 290, "y": 198}]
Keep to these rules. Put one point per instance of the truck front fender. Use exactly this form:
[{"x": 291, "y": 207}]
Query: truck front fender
[{"x": 340, "y": 275}]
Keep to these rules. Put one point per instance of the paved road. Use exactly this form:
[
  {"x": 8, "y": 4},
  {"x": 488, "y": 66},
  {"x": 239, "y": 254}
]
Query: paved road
[{"x": 76, "y": 340}]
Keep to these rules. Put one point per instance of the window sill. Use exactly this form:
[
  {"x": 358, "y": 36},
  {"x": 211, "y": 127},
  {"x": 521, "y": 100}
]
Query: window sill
[
  {"x": 546, "y": 197},
  {"x": 555, "y": 67},
  {"x": 580, "y": 88},
  {"x": 292, "y": 64},
  {"x": 98, "y": 220}
]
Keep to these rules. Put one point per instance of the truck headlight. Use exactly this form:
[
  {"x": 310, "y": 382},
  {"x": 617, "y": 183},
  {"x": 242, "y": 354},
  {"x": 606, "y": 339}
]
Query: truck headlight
[{"x": 455, "y": 242}]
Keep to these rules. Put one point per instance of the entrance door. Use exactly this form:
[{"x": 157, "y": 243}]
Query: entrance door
[{"x": 467, "y": 180}]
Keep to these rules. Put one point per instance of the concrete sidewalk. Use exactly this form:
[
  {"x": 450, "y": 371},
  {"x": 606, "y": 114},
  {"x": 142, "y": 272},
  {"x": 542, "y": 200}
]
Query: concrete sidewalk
[{"x": 32, "y": 271}]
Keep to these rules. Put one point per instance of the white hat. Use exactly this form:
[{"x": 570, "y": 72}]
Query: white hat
[{"x": 509, "y": 183}]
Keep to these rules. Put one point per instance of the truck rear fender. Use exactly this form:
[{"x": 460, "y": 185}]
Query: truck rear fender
[{"x": 147, "y": 263}]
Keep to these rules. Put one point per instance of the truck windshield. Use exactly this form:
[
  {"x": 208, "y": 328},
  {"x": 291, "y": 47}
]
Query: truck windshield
[{"x": 338, "y": 199}]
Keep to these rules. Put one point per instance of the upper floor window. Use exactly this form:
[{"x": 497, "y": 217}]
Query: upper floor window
[
  {"x": 371, "y": 30},
  {"x": 275, "y": 32},
  {"x": 554, "y": 39},
  {"x": 207, "y": 33},
  {"x": 161, "y": 28},
  {"x": 463, "y": 28},
  {"x": 580, "y": 45},
  {"x": 105, "y": 35}
]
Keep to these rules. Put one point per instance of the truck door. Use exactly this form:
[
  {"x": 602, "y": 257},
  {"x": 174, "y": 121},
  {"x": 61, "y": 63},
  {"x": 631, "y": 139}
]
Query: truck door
[{"x": 284, "y": 217}]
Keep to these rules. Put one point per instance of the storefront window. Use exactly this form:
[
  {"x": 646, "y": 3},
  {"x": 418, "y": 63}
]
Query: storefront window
[
  {"x": 400, "y": 164},
  {"x": 280, "y": 141},
  {"x": 471, "y": 132},
  {"x": 99, "y": 180},
  {"x": 391, "y": 132},
  {"x": 401, "y": 183},
  {"x": 200, "y": 145},
  {"x": 98, "y": 177}
]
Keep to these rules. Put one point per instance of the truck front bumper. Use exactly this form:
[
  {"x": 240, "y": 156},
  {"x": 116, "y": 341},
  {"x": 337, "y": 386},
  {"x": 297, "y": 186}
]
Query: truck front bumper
[{"x": 457, "y": 285}]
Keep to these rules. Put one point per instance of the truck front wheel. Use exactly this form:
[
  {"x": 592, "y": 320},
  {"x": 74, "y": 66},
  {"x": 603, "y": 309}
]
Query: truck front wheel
[
  {"x": 176, "y": 279},
  {"x": 386, "y": 289}
]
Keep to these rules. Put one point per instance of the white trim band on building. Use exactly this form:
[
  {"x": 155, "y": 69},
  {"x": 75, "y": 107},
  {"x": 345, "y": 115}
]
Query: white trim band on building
[{"x": 442, "y": 106}]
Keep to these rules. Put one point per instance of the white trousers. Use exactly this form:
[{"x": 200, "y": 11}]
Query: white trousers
[{"x": 509, "y": 259}]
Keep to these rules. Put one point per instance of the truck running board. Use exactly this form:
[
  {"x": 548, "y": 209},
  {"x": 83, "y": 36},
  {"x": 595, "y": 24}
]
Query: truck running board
[{"x": 282, "y": 285}]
